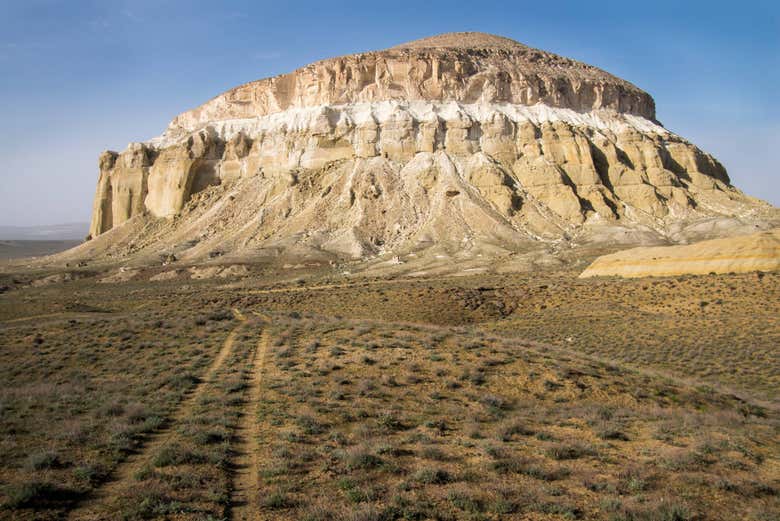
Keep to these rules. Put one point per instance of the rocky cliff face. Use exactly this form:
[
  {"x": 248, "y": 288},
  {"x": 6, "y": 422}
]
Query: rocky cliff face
[
  {"x": 463, "y": 67},
  {"x": 465, "y": 139}
]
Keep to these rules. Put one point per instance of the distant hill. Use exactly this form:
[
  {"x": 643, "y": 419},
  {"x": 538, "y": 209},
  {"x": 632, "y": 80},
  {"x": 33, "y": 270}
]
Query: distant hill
[{"x": 50, "y": 232}]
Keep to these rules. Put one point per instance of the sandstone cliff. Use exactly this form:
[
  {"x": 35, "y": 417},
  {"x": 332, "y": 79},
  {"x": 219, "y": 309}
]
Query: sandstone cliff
[
  {"x": 755, "y": 252},
  {"x": 465, "y": 139},
  {"x": 464, "y": 67}
]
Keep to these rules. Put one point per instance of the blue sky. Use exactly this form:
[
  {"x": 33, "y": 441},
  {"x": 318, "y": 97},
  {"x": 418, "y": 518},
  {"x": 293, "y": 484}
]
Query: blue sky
[{"x": 78, "y": 77}]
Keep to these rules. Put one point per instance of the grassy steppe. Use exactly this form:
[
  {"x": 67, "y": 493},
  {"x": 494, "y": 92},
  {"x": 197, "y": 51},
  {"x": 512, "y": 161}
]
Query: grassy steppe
[{"x": 493, "y": 397}]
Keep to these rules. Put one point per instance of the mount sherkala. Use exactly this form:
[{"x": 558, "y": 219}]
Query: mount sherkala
[{"x": 462, "y": 149}]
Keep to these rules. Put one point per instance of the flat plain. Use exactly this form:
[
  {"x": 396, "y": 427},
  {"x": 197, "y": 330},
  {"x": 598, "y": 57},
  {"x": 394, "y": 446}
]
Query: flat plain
[
  {"x": 14, "y": 249},
  {"x": 526, "y": 396}
]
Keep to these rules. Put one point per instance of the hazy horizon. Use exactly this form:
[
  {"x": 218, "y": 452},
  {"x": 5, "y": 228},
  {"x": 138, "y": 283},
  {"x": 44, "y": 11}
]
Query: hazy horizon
[{"x": 78, "y": 78}]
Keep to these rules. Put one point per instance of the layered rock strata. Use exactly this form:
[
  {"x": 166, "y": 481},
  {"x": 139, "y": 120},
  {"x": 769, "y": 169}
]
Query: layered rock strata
[
  {"x": 465, "y": 67},
  {"x": 458, "y": 138},
  {"x": 754, "y": 252}
]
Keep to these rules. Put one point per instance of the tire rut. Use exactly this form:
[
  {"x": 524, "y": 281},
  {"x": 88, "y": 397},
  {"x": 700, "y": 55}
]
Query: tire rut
[
  {"x": 246, "y": 481},
  {"x": 96, "y": 507}
]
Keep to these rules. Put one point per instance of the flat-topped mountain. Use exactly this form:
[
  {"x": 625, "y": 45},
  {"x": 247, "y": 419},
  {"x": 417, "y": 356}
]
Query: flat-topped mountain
[{"x": 469, "y": 145}]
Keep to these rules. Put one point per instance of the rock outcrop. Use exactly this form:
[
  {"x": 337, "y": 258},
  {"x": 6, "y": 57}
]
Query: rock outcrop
[
  {"x": 463, "y": 67},
  {"x": 754, "y": 252},
  {"x": 465, "y": 139}
]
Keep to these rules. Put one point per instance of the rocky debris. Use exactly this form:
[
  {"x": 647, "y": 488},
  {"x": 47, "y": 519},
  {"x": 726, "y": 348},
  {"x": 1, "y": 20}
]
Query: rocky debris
[
  {"x": 468, "y": 140},
  {"x": 57, "y": 278},
  {"x": 167, "y": 258},
  {"x": 120, "y": 275},
  {"x": 167, "y": 275},
  {"x": 222, "y": 272},
  {"x": 755, "y": 252}
]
